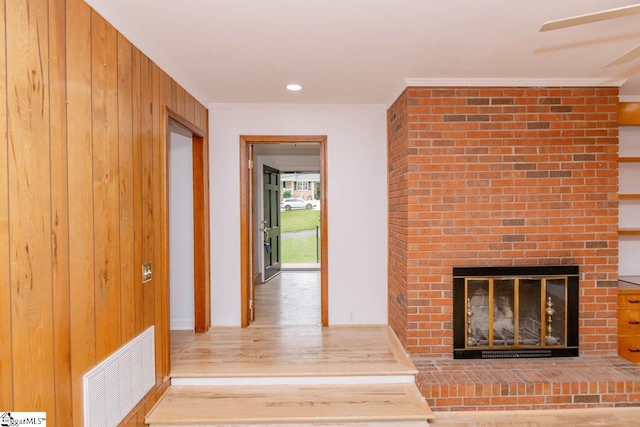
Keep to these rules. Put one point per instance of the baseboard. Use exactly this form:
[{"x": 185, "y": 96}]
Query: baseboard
[{"x": 181, "y": 324}]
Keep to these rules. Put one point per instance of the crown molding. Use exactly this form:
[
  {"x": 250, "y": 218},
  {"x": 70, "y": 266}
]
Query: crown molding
[
  {"x": 629, "y": 98},
  {"x": 515, "y": 82},
  {"x": 104, "y": 10},
  {"x": 283, "y": 106}
]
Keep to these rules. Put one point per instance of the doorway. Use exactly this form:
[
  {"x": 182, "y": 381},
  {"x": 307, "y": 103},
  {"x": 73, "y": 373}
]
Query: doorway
[
  {"x": 253, "y": 236},
  {"x": 194, "y": 147}
]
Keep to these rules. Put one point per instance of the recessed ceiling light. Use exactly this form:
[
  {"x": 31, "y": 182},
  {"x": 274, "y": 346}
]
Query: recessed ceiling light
[{"x": 294, "y": 87}]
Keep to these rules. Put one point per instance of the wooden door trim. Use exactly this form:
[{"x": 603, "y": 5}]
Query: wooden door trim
[
  {"x": 202, "y": 258},
  {"x": 246, "y": 229}
]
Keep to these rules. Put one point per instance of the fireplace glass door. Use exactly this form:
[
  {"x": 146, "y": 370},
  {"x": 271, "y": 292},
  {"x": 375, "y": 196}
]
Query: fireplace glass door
[{"x": 516, "y": 312}]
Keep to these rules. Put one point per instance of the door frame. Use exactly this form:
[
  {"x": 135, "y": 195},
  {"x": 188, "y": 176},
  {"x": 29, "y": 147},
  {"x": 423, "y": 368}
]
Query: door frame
[
  {"x": 247, "y": 233},
  {"x": 201, "y": 227}
]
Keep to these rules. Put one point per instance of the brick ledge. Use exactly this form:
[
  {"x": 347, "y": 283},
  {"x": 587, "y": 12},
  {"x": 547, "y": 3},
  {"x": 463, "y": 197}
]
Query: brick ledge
[{"x": 514, "y": 384}]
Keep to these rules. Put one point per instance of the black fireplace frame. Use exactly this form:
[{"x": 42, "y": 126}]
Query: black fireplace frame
[{"x": 459, "y": 311}]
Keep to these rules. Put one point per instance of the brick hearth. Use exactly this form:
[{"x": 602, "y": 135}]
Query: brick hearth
[{"x": 510, "y": 384}]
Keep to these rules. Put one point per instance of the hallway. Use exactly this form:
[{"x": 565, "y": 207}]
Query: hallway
[{"x": 290, "y": 299}]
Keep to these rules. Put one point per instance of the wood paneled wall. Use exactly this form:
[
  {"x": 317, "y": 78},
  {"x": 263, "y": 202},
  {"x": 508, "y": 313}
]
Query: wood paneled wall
[{"x": 81, "y": 152}]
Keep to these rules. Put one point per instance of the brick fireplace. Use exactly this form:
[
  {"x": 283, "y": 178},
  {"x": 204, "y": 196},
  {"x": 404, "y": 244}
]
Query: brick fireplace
[{"x": 501, "y": 176}]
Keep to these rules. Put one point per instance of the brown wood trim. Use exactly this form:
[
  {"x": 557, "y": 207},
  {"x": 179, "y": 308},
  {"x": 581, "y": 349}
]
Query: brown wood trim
[
  {"x": 246, "y": 246},
  {"x": 252, "y": 241},
  {"x": 629, "y": 231},
  {"x": 195, "y": 129},
  {"x": 202, "y": 259},
  {"x": 628, "y": 159},
  {"x": 200, "y": 207},
  {"x": 324, "y": 236},
  {"x": 629, "y": 196},
  {"x": 629, "y": 113}
]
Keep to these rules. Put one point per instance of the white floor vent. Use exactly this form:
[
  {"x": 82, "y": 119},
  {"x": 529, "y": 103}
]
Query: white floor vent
[{"x": 116, "y": 385}]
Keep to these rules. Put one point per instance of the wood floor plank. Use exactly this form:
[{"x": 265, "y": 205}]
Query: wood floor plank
[
  {"x": 290, "y": 351},
  {"x": 291, "y": 298},
  {"x": 288, "y": 404}
]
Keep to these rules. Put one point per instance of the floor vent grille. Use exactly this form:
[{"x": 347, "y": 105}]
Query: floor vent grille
[{"x": 117, "y": 384}]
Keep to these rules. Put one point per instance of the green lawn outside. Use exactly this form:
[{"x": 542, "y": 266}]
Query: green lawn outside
[
  {"x": 302, "y": 249},
  {"x": 297, "y": 220}
]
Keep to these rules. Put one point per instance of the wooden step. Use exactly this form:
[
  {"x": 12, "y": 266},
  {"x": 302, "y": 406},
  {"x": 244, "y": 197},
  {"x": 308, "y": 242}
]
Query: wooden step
[
  {"x": 293, "y": 352},
  {"x": 330, "y": 405}
]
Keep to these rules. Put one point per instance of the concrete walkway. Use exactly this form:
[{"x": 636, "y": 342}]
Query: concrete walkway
[{"x": 298, "y": 234}]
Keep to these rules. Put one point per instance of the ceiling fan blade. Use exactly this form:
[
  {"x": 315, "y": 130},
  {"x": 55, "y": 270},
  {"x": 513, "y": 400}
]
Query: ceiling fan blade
[
  {"x": 625, "y": 57},
  {"x": 591, "y": 17}
]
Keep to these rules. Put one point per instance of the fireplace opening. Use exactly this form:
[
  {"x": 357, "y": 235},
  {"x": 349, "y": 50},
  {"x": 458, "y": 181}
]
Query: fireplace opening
[{"x": 507, "y": 312}]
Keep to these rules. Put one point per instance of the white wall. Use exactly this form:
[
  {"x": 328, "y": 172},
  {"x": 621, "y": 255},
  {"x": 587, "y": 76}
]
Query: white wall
[
  {"x": 356, "y": 202},
  {"x": 180, "y": 231}
]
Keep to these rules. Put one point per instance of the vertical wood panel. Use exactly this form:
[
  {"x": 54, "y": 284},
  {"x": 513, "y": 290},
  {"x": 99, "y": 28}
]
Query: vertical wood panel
[
  {"x": 137, "y": 189},
  {"x": 180, "y": 97},
  {"x": 59, "y": 212},
  {"x": 190, "y": 107},
  {"x": 106, "y": 205},
  {"x": 6, "y": 378},
  {"x": 80, "y": 159},
  {"x": 147, "y": 186},
  {"x": 126, "y": 166},
  {"x": 197, "y": 120},
  {"x": 166, "y": 88},
  {"x": 158, "y": 280},
  {"x": 82, "y": 202},
  {"x": 29, "y": 211},
  {"x": 174, "y": 95}
]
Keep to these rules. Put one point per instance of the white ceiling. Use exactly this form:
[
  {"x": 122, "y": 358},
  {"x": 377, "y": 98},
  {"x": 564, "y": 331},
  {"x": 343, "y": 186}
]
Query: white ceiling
[{"x": 361, "y": 51}]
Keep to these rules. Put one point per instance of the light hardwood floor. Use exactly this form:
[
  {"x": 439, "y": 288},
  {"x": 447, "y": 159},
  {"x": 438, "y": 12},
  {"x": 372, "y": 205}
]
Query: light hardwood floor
[
  {"x": 291, "y": 298},
  {"x": 179, "y": 341},
  {"x": 292, "y": 351}
]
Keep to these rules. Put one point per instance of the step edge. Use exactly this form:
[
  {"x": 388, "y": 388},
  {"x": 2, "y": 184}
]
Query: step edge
[
  {"x": 274, "y": 381},
  {"x": 298, "y": 420},
  {"x": 178, "y": 374}
]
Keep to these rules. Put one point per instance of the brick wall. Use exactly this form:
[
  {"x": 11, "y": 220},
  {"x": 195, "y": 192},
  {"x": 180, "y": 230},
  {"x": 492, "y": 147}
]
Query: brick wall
[{"x": 501, "y": 176}]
